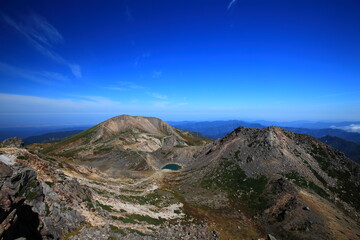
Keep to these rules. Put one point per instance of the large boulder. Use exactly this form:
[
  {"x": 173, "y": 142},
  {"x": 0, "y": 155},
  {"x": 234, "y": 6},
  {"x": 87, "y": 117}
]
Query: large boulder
[{"x": 19, "y": 190}]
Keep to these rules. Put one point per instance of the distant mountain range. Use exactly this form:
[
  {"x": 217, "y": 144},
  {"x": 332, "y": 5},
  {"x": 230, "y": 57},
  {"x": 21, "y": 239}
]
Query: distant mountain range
[
  {"x": 346, "y": 125},
  {"x": 212, "y": 129},
  {"x": 25, "y": 132},
  {"x": 319, "y": 133},
  {"x": 50, "y": 137},
  {"x": 216, "y": 129},
  {"x": 219, "y": 129},
  {"x": 346, "y": 142}
]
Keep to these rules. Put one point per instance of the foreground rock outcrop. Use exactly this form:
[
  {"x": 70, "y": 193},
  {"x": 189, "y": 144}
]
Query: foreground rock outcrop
[
  {"x": 14, "y": 142},
  {"x": 29, "y": 207}
]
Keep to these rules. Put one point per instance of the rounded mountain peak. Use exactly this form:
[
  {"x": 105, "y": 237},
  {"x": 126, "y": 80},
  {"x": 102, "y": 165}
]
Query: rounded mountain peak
[{"x": 127, "y": 123}]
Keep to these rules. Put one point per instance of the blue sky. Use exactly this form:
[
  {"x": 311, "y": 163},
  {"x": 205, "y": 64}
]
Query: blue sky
[{"x": 81, "y": 62}]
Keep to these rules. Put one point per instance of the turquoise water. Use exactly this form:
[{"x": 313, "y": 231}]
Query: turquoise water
[{"x": 172, "y": 167}]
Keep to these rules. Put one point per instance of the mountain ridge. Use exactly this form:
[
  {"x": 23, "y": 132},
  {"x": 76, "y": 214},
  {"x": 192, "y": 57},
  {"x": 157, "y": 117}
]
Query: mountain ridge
[
  {"x": 127, "y": 142},
  {"x": 218, "y": 129},
  {"x": 249, "y": 164},
  {"x": 252, "y": 183}
]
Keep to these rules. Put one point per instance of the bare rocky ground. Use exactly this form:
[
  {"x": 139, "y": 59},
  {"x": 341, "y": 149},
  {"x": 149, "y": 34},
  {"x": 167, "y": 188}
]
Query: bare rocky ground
[
  {"x": 274, "y": 181},
  {"x": 67, "y": 202},
  {"x": 108, "y": 183}
]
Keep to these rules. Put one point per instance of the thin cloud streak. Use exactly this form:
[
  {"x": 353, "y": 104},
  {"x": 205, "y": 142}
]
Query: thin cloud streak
[
  {"x": 43, "y": 37},
  {"x": 161, "y": 105},
  {"x": 131, "y": 85},
  {"x": 129, "y": 16},
  {"x": 14, "y": 103},
  {"x": 115, "y": 88},
  {"x": 43, "y": 77},
  {"x": 231, "y": 4},
  {"x": 55, "y": 76},
  {"x": 158, "y": 96},
  {"x": 156, "y": 74},
  {"x": 44, "y": 32},
  {"x": 139, "y": 59}
]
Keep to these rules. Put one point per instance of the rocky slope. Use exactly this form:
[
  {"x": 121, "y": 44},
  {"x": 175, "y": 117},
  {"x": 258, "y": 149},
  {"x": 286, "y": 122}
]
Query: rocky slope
[
  {"x": 276, "y": 181},
  {"x": 125, "y": 143},
  {"x": 251, "y": 184},
  {"x": 43, "y": 197},
  {"x": 35, "y": 197}
]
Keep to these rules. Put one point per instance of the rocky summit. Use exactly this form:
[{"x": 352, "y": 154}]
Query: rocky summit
[
  {"x": 126, "y": 143},
  {"x": 109, "y": 182}
]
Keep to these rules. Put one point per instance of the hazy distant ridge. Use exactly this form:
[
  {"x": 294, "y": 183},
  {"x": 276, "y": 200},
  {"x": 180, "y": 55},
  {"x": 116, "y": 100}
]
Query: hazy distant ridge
[{"x": 219, "y": 129}]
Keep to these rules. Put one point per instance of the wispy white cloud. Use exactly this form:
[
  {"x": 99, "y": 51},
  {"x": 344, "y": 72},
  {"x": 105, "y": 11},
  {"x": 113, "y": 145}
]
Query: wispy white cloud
[
  {"x": 349, "y": 128},
  {"x": 182, "y": 103},
  {"x": 128, "y": 14},
  {"x": 54, "y": 76},
  {"x": 161, "y": 104},
  {"x": 13, "y": 103},
  {"x": 43, "y": 37},
  {"x": 140, "y": 58},
  {"x": 43, "y": 31},
  {"x": 76, "y": 70},
  {"x": 158, "y": 96},
  {"x": 123, "y": 85},
  {"x": 232, "y": 2},
  {"x": 115, "y": 88},
  {"x": 37, "y": 30},
  {"x": 26, "y": 104},
  {"x": 127, "y": 86},
  {"x": 156, "y": 74},
  {"x": 131, "y": 85},
  {"x": 43, "y": 77}
]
